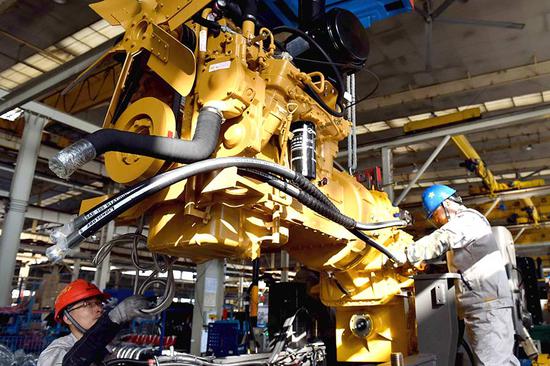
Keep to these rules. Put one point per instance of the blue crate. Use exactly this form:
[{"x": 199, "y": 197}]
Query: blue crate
[
  {"x": 30, "y": 343},
  {"x": 224, "y": 338}
]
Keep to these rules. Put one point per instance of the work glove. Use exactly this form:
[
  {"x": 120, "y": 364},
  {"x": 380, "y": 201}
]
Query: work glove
[
  {"x": 129, "y": 309},
  {"x": 400, "y": 256}
]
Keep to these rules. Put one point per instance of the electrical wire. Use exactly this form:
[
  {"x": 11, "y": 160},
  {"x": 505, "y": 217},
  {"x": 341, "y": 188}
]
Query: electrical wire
[{"x": 369, "y": 94}]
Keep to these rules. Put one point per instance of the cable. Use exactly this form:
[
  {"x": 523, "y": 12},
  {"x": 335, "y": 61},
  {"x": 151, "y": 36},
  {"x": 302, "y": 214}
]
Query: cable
[{"x": 369, "y": 94}]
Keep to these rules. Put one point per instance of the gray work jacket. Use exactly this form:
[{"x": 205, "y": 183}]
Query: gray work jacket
[
  {"x": 54, "y": 353},
  {"x": 473, "y": 252}
]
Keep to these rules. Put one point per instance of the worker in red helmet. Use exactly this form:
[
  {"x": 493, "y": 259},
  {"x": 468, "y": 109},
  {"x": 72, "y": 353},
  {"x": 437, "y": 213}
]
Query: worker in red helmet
[{"x": 80, "y": 306}]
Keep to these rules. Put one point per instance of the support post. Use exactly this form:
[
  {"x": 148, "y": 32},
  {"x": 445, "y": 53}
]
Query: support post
[
  {"x": 19, "y": 198},
  {"x": 387, "y": 171},
  {"x": 493, "y": 206},
  {"x": 103, "y": 272},
  {"x": 285, "y": 263},
  {"x": 422, "y": 169},
  {"x": 209, "y": 294},
  {"x": 76, "y": 270}
]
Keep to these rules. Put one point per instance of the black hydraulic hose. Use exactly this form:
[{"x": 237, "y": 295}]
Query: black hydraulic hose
[
  {"x": 132, "y": 195},
  {"x": 317, "y": 206},
  {"x": 337, "y": 75},
  {"x": 305, "y": 198},
  {"x": 204, "y": 141},
  {"x": 361, "y": 235},
  {"x": 115, "y": 206}
]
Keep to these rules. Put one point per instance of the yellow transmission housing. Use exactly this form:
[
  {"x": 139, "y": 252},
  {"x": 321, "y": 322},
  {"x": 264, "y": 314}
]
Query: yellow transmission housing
[{"x": 226, "y": 215}]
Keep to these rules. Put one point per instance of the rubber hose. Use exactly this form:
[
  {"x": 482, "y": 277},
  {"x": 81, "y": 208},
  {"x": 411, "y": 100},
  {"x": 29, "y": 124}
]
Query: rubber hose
[
  {"x": 204, "y": 141},
  {"x": 327, "y": 212},
  {"x": 131, "y": 196},
  {"x": 306, "y": 199}
]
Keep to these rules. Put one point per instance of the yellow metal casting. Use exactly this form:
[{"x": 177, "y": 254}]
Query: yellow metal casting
[
  {"x": 489, "y": 181},
  {"x": 440, "y": 121},
  {"x": 226, "y": 215},
  {"x": 147, "y": 116}
]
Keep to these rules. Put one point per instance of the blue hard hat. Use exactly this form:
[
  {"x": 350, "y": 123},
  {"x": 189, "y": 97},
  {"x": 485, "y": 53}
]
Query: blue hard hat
[{"x": 434, "y": 196}]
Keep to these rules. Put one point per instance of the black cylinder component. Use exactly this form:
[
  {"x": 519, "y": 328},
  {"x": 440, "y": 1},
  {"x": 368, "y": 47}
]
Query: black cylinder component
[
  {"x": 310, "y": 11},
  {"x": 343, "y": 37},
  {"x": 302, "y": 148}
]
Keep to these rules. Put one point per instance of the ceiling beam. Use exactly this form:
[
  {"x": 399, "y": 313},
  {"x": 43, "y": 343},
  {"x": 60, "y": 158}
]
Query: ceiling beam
[
  {"x": 56, "y": 115},
  {"x": 492, "y": 79},
  {"x": 38, "y": 86},
  {"x": 468, "y": 127},
  {"x": 46, "y": 152}
]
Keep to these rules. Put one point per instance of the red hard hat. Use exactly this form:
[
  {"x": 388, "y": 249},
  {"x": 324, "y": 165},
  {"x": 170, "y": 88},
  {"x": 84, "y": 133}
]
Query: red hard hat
[{"x": 74, "y": 292}]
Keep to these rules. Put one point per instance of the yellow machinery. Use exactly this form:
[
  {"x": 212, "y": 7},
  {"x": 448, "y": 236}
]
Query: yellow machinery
[{"x": 225, "y": 214}]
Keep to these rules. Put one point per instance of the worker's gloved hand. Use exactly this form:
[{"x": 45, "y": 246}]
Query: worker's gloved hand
[
  {"x": 400, "y": 256},
  {"x": 129, "y": 309}
]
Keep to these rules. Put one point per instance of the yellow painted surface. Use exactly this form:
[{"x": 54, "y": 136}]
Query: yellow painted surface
[{"x": 223, "y": 214}]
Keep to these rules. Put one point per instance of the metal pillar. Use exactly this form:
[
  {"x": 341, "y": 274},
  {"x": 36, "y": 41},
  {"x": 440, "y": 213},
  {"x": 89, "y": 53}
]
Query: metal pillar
[
  {"x": 209, "y": 294},
  {"x": 20, "y": 191},
  {"x": 76, "y": 270},
  {"x": 493, "y": 206},
  {"x": 351, "y": 115},
  {"x": 102, "y": 274},
  {"x": 422, "y": 169},
  {"x": 285, "y": 263},
  {"x": 387, "y": 171}
]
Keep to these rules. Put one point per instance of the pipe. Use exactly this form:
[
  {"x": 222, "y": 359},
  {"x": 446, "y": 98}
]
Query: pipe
[
  {"x": 20, "y": 191},
  {"x": 68, "y": 160},
  {"x": 422, "y": 169}
]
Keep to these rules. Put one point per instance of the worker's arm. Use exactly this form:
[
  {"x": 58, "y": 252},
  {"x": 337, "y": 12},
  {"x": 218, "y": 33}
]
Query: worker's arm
[
  {"x": 461, "y": 231},
  {"x": 53, "y": 355},
  {"x": 91, "y": 347}
]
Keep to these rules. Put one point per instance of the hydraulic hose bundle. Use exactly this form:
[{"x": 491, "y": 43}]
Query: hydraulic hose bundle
[{"x": 289, "y": 181}]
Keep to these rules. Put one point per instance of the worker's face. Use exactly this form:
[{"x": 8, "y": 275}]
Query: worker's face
[
  {"x": 439, "y": 217},
  {"x": 86, "y": 312}
]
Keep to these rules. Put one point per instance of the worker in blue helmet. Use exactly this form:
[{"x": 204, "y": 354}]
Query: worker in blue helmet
[{"x": 483, "y": 293}]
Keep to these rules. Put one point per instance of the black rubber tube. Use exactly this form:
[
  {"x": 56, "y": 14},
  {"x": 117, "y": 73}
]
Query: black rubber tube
[
  {"x": 327, "y": 212},
  {"x": 132, "y": 195},
  {"x": 203, "y": 144},
  {"x": 199, "y": 148},
  {"x": 127, "y": 198}
]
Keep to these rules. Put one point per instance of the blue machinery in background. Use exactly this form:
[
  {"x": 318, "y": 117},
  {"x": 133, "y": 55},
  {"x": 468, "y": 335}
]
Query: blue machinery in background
[{"x": 368, "y": 11}]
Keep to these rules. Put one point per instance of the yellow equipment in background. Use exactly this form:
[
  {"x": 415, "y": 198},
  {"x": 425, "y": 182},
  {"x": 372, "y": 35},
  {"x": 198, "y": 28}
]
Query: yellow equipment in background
[{"x": 224, "y": 214}]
